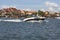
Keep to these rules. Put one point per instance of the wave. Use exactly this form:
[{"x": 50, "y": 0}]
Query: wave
[
  {"x": 11, "y": 20},
  {"x": 46, "y": 20},
  {"x": 57, "y": 17}
]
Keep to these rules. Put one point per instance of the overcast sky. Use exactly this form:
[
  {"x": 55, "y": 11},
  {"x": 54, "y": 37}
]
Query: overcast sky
[{"x": 51, "y": 5}]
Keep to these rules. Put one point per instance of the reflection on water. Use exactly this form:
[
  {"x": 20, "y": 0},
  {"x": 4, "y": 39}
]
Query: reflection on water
[{"x": 30, "y": 30}]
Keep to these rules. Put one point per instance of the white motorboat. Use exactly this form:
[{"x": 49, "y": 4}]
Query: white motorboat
[{"x": 34, "y": 19}]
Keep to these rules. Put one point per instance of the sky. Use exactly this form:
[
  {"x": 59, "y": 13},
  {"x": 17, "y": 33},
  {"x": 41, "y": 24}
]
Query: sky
[{"x": 50, "y": 5}]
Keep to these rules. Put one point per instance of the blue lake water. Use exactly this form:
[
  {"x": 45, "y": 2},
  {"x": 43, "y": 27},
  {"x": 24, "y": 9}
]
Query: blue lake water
[{"x": 46, "y": 30}]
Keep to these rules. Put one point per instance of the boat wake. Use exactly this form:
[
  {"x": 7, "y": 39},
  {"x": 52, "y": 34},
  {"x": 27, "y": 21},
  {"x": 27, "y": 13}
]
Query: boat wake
[
  {"x": 57, "y": 17},
  {"x": 46, "y": 20},
  {"x": 35, "y": 21},
  {"x": 11, "y": 20}
]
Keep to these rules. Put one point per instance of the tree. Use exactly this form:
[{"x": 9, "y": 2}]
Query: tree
[{"x": 40, "y": 13}]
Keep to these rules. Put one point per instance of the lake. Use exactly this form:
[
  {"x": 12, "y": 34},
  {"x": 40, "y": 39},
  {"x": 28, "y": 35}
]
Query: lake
[{"x": 45, "y": 30}]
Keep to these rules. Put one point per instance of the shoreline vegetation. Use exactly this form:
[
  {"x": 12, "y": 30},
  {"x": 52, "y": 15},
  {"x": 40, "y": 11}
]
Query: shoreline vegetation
[{"x": 15, "y": 13}]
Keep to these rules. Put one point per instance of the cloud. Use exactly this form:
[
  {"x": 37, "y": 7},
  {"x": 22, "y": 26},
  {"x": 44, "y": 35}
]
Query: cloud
[
  {"x": 7, "y": 6},
  {"x": 58, "y": 8},
  {"x": 51, "y": 4},
  {"x": 42, "y": 10},
  {"x": 27, "y": 9},
  {"x": 50, "y": 9}
]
